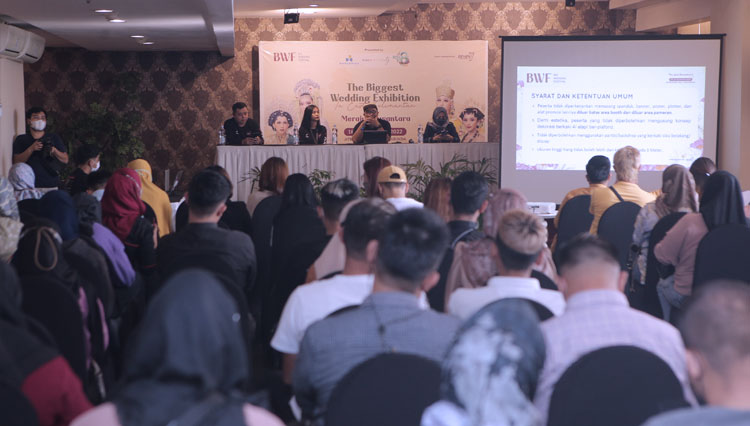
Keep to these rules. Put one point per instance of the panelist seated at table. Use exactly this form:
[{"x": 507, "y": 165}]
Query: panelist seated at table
[
  {"x": 370, "y": 130},
  {"x": 311, "y": 132},
  {"x": 440, "y": 129},
  {"x": 241, "y": 129}
]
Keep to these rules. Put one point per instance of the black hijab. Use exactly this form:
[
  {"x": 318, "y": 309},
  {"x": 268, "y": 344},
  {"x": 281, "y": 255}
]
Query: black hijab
[
  {"x": 721, "y": 203},
  {"x": 89, "y": 212},
  {"x": 189, "y": 346}
]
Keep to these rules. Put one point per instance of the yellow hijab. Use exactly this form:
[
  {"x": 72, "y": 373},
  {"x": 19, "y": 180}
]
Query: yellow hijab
[{"x": 154, "y": 196}]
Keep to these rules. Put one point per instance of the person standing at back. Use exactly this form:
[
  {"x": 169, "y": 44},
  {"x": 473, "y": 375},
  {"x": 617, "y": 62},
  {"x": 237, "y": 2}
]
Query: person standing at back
[
  {"x": 44, "y": 152},
  {"x": 469, "y": 199},
  {"x": 627, "y": 164}
]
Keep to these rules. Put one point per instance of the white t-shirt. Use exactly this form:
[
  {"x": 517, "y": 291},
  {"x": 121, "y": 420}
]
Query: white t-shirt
[
  {"x": 464, "y": 302},
  {"x": 314, "y": 301},
  {"x": 404, "y": 203}
]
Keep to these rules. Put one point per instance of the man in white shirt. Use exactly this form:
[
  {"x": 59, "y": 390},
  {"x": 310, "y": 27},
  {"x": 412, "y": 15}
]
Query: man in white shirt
[
  {"x": 521, "y": 236},
  {"x": 394, "y": 186},
  {"x": 597, "y": 316},
  {"x": 311, "y": 302}
]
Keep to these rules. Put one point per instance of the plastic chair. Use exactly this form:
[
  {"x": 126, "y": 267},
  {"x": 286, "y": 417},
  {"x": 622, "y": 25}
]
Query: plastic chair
[
  {"x": 575, "y": 219},
  {"x": 616, "y": 226},
  {"x": 390, "y": 389},
  {"x": 614, "y": 386},
  {"x": 724, "y": 253}
]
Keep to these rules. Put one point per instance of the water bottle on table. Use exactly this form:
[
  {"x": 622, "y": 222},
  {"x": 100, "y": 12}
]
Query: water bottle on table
[
  {"x": 222, "y": 136},
  {"x": 420, "y": 134},
  {"x": 334, "y": 135}
]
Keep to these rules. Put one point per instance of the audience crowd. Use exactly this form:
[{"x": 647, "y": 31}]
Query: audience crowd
[{"x": 117, "y": 310}]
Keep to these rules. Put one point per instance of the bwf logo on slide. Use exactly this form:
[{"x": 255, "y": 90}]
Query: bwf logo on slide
[{"x": 538, "y": 77}]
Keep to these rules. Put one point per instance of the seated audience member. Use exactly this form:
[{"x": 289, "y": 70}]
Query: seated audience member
[
  {"x": 437, "y": 197},
  {"x": 393, "y": 186},
  {"x": 96, "y": 182},
  {"x": 468, "y": 200},
  {"x": 406, "y": 257},
  {"x": 89, "y": 220},
  {"x": 334, "y": 196},
  {"x": 125, "y": 214},
  {"x": 228, "y": 254},
  {"x": 187, "y": 363},
  {"x": 718, "y": 351},
  {"x": 154, "y": 196},
  {"x": 21, "y": 176},
  {"x": 440, "y": 129},
  {"x": 370, "y": 122},
  {"x": 677, "y": 195},
  {"x": 597, "y": 316},
  {"x": 297, "y": 235},
  {"x": 475, "y": 262},
  {"x": 87, "y": 161},
  {"x": 44, "y": 152},
  {"x": 491, "y": 370},
  {"x": 333, "y": 257},
  {"x": 10, "y": 221},
  {"x": 31, "y": 364},
  {"x": 308, "y": 303},
  {"x": 372, "y": 168},
  {"x": 241, "y": 129},
  {"x": 627, "y": 164},
  {"x": 721, "y": 204},
  {"x": 273, "y": 174},
  {"x": 235, "y": 217},
  {"x": 520, "y": 239},
  {"x": 598, "y": 173},
  {"x": 701, "y": 169}
]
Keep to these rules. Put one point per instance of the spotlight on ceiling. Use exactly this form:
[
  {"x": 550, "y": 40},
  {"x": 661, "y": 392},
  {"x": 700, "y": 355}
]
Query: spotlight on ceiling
[
  {"x": 103, "y": 10},
  {"x": 137, "y": 36},
  {"x": 570, "y": 3},
  {"x": 116, "y": 20}
]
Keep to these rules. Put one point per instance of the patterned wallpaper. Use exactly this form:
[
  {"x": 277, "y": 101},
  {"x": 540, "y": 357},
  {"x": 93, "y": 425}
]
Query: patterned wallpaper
[{"x": 184, "y": 96}]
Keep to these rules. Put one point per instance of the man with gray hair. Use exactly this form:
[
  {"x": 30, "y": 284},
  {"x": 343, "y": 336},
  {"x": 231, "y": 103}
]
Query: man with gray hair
[
  {"x": 627, "y": 164},
  {"x": 717, "y": 341},
  {"x": 520, "y": 239}
]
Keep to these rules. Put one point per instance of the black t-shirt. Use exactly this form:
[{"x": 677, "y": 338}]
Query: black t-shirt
[
  {"x": 383, "y": 123},
  {"x": 235, "y": 134},
  {"x": 77, "y": 182},
  {"x": 316, "y": 136},
  {"x": 45, "y": 176}
]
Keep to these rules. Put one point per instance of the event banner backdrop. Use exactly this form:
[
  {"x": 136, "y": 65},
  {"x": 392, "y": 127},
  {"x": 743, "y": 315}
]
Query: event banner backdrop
[{"x": 405, "y": 79}]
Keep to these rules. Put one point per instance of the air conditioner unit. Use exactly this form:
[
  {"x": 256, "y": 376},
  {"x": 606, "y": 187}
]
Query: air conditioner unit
[{"x": 19, "y": 44}]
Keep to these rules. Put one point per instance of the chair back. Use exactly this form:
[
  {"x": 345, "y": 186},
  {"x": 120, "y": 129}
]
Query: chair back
[
  {"x": 544, "y": 281},
  {"x": 575, "y": 219},
  {"x": 614, "y": 386},
  {"x": 389, "y": 389},
  {"x": 616, "y": 226},
  {"x": 723, "y": 253},
  {"x": 542, "y": 311},
  {"x": 650, "y": 300},
  {"x": 56, "y": 308}
]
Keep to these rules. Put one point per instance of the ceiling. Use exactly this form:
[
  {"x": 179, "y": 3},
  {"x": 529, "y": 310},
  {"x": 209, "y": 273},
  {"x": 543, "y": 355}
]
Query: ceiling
[{"x": 185, "y": 24}]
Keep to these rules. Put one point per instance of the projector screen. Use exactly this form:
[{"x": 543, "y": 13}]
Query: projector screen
[{"x": 566, "y": 99}]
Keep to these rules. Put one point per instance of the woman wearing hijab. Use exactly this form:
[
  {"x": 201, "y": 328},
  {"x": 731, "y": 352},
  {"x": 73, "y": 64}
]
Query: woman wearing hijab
[
  {"x": 10, "y": 223},
  {"x": 154, "y": 196},
  {"x": 188, "y": 362},
  {"x": 677, "y": 195},
  {"x": 30, "y": 362},
  {"x": 491, "y": 370},
  {"x": 440, "y": 129},
  {"x": 90, "y": 218},
  {"x": 475, "y": 262},
  {"x": 125, "y": 214},
  {"x": 21, "y": 176},
  {"x": 721, "y": 204}
]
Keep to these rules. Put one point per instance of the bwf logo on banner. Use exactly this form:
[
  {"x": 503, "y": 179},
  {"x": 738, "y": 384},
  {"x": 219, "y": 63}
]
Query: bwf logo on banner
[{"x": 284, "y": 56}]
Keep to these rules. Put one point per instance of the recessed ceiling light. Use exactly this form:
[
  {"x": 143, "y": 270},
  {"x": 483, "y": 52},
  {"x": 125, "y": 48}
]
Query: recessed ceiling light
[
  {"x": 313, "y": 5},
  {"x": 116, "y": 20},
  {"x": 148, "y": 42},
  {"x": 137, "y": 36},
  {"x": 103, "y": 11}
]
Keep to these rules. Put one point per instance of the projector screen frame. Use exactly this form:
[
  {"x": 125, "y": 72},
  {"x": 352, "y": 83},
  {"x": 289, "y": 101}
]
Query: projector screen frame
[{"x": 669, "y": 37}]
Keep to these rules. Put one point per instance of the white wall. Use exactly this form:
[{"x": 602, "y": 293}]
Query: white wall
[{"x": 13, "y": 120}]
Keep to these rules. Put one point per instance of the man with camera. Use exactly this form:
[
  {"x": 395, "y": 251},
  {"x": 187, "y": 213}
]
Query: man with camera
[{"x": 44, "y": 152}]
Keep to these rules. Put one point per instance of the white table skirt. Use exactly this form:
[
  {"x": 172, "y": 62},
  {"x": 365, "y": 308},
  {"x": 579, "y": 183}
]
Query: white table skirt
[{"x": 344, "y": 161}]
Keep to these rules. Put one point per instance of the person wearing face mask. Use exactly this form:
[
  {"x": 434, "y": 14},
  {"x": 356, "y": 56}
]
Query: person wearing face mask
[
  {"x": 95, "y": 183},
  {"x": 87, "y": 161},
  {"x": 440, "y": 129},
  {"x": 44, "y": 152}
]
